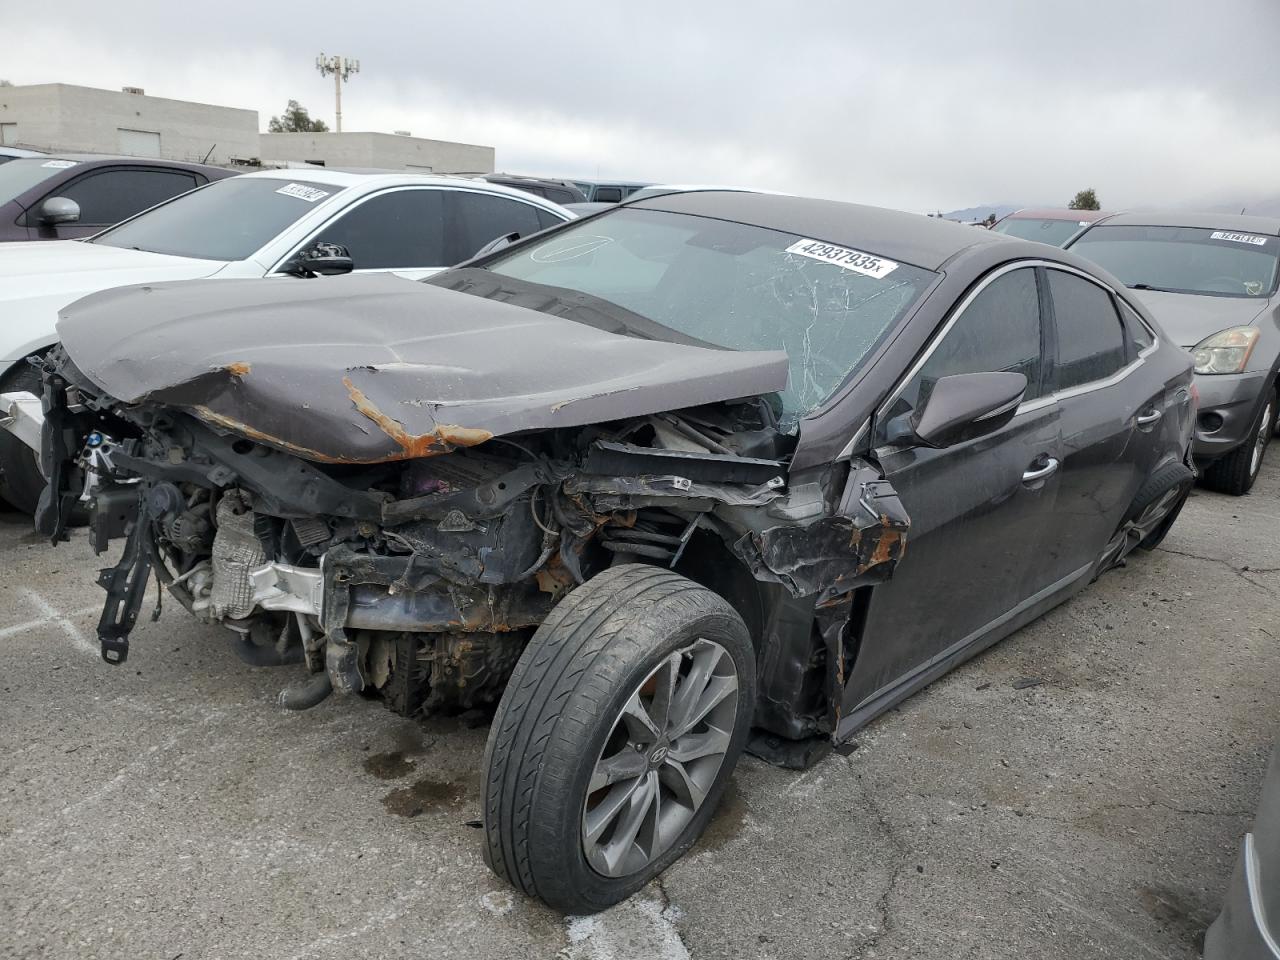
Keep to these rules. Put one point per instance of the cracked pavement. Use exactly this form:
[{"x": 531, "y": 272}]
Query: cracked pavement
[{"x": 168, "y": 809}]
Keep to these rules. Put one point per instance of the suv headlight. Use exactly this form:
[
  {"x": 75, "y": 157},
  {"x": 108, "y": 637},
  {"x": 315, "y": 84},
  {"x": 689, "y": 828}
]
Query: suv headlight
[{"x": 1227, "y": 351}]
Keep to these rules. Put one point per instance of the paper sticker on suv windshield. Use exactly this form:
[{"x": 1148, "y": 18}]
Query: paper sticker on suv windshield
[
  {"x": 59, "y": 164},
  {"x": 309, "y": 194},
  {"x": 864, "y": 263},
  {"x": 1238, "y": 237}
]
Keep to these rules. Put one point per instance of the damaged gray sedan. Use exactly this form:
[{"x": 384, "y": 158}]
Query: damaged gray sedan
[{"x": 701, "y": 473}]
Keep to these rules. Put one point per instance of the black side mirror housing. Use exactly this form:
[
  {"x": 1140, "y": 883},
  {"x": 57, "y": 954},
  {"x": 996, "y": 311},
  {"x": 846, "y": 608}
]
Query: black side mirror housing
[
  {"x": 58, "y": 210},
  {"x": 967, "y": 405},
  {"x": 322, "y": 260},
  {"x": 497, "y": 243}
]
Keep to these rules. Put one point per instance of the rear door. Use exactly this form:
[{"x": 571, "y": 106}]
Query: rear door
[
  {"x": 1109, "y": 417},
  {"x": 979, "y": 510}
]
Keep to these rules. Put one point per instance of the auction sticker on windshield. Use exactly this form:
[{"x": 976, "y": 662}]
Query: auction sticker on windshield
[
  {"x": 309, "y": 194},
  {"x": 855, "y": 260},
  {"x": 59, "y": 164},
  {"x": 1238, "y": 237}
]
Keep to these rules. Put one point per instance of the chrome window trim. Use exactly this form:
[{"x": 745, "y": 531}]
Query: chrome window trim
[{"x": 1049, "y": 398}]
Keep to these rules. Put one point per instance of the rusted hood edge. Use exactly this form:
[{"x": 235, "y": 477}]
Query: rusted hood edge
[{"x": 373, "y": 367}]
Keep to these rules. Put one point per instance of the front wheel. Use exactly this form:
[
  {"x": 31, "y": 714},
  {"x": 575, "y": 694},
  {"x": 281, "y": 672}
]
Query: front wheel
[
  {"x": 1235, "y": 472},
  {"x": 616, "y": 737}
]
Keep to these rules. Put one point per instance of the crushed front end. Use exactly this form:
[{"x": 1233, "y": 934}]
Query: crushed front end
[{"x": 400, "y": 513}]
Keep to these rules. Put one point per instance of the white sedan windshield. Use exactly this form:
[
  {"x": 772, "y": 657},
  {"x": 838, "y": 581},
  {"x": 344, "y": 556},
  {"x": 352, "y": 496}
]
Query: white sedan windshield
[{"x": 227, "y": 220}]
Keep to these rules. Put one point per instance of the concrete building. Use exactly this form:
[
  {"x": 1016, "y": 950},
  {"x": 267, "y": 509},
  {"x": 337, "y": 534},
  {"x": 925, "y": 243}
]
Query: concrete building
[
  {"x": 386, "y": 150},
  {"x": 65, "y": 118}
]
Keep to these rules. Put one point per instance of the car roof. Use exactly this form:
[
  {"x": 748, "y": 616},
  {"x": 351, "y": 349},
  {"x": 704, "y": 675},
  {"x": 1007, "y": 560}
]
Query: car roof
[
  {"x": 908, "y": 237},
  {"x": 1059, "y": 213},
  {"x": 1211, "y": 221},
  {"x": 396, "y": 178},
  {"x": 87, "y": 158}
]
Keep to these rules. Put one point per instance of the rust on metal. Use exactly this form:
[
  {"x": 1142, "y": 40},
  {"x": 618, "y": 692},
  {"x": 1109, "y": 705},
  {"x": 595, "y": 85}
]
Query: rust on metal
[
  {"x": 445, "y": 438},
  {"x": 238, "y": 369}
]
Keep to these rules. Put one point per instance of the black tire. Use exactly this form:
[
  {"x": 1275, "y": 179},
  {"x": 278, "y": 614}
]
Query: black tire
[
  {"x": 21, "y": 481},
  {"x": 1164, "y": 479},
  {"x": 1235, "y": 472},
  {"x": 572, "y": 681},
  {"x": 1145, "y": 523}
]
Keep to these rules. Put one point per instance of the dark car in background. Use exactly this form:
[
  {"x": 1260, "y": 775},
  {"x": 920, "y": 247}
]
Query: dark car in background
[
  {"x": 68, "y": 196},
  {"x": 1052, "y": 226},
  {"x": 649, "y": 479},
  {"x": 557, "y": 191},
  {"x": 608, "y": 191},
  {"x": 17, "y": 153},
  {"x": 1211, "y": 281}
]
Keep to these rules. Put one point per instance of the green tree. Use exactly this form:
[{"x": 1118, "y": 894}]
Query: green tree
[
  {"x": 295, "y": 119},
  {"x": 1085, "y": 200}
]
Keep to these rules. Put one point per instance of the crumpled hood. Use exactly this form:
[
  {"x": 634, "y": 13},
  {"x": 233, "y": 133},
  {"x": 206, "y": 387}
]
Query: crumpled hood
[
  {"x": 1188, "y": 318},
  {"x": 42, "y": 267},
  {"x": 372, "y": 367}
]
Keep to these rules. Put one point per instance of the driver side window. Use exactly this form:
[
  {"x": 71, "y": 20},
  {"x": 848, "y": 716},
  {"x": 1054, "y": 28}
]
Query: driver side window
[
  {"x": 999, "y": 331},
  {"x": 400, "y": 229}
]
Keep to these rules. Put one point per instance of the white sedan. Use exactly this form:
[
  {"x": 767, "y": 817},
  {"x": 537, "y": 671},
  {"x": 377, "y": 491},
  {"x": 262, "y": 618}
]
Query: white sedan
[{"x": 276, "y": 223}]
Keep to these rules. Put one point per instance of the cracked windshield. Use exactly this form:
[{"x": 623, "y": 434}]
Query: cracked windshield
[{"x": 735, "y": 286}]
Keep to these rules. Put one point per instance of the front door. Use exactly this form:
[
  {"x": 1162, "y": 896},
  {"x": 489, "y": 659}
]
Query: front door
[{"x": 979, "y": 510}]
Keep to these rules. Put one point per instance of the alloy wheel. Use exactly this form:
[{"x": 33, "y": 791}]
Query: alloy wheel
[
  {"x": 1261, "y": 440},
  {"x": 661, "y": 758}
]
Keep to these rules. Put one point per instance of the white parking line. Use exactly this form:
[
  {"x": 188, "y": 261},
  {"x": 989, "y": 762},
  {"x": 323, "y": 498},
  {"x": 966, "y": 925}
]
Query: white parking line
[{"x": 49, "y": 614}]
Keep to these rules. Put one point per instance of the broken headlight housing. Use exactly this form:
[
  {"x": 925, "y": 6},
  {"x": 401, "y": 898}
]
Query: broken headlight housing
[{"x": 1226, "y": 351}]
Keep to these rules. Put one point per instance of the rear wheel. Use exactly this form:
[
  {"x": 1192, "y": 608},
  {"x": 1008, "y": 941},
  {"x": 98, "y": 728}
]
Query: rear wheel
[
  {"x": 1236, "y": 472},
  {"x": 616, "y": 737},
  {"x": 21, "y": 481},
  {"x": 1154, "y": 509}
]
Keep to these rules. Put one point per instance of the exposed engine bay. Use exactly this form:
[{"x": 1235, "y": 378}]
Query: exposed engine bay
[
  {"x": 354, "y": 477},
  {"x": 422, "y": 579}
]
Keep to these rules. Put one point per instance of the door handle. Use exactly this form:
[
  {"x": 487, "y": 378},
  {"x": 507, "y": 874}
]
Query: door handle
[
  {"x": 1034, "y": 473},
  {"x": 1150, "y": 417}
]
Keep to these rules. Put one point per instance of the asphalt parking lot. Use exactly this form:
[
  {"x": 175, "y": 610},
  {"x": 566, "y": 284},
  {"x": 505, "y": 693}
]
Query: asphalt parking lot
[{"x": 1078, "y": 791}]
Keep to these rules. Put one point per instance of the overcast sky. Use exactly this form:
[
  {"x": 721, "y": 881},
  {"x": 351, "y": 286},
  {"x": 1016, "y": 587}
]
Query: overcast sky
[{"x": 918, "y": 104}]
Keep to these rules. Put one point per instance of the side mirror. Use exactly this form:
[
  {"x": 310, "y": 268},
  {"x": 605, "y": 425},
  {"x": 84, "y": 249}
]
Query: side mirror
[
  {"x": 322, "y": 260},
  {"x": 57, "y": 210},
  {"x": 966, "y": 406},
  {"x": 497, "y": 243}
]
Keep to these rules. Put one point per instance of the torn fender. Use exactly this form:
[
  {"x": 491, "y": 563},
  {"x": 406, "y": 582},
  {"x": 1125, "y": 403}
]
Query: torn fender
[{"x": 861, "y": 542}]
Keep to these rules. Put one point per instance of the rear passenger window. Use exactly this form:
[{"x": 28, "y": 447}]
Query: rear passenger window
[
  {"x": 999, "y": 331},
  {"x": 1139, "y": 333},
  {"x": 1091, "y": 339},
  {"x": 547, "y": 219},
  {"x": 608, "y": 195},
  {"x": 480, "y": 218}
]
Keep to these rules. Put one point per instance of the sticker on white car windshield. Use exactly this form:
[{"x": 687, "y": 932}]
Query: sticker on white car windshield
[
  {"x": 866, "y": 264},
  {"x": 1238, "y": 237},
  {"x": 309, "y": 194},
  {"x": 59, "y": 164}
]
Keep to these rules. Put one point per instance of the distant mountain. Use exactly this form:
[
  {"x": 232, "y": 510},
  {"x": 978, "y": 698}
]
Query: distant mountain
[{"x": 981, "y": 213}]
